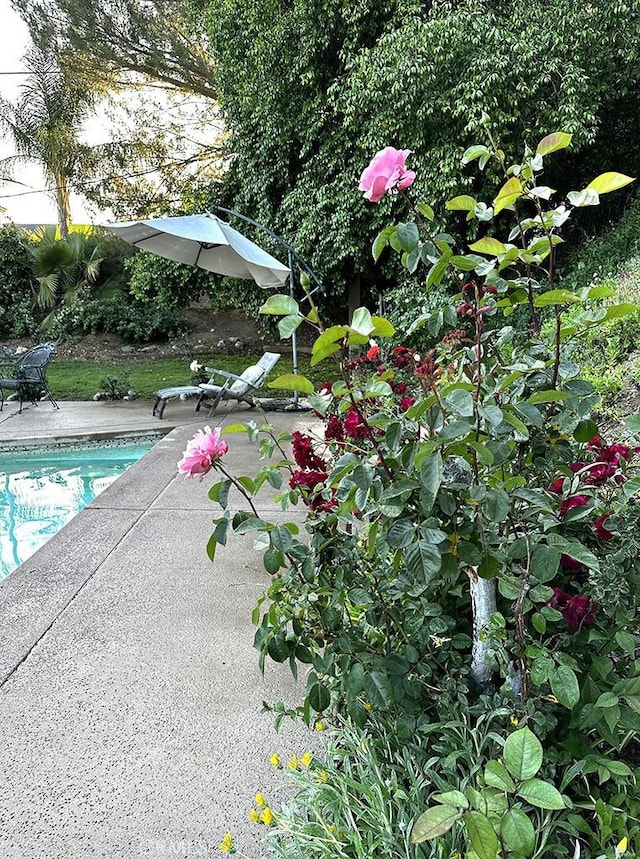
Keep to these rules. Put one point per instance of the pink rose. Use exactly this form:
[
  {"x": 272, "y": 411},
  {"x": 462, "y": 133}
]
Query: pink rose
[
  {"x": 386, "y": 173},
  {"x": 201, "y": 452}
]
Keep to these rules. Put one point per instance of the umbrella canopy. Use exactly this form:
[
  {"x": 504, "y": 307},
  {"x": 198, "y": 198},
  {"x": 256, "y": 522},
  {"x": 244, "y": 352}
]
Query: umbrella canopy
[{"x": 207, "y": 242}]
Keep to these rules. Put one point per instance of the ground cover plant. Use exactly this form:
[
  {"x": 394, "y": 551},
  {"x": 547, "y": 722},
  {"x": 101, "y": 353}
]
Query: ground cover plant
[{"x": 465, "y": 590}]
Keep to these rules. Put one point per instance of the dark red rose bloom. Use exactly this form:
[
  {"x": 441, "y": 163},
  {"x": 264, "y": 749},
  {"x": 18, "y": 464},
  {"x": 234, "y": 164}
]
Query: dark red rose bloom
[
  {"x": 595, "y": 443},
  {"x": 402, "y": 357},
  {"x": 303, "y": 452},
  {"x": 601, "y": 531},
  {"x": 577, "y": 610},
  {"x": 334, "y": 431},
  {"x": 576, "y": 466},
  {"x": 399, "y": 388},
  {"x": 569, "y": 563},
  {"x": 557, "y": 485},
  {"x": 354, "y": 426},
  {"x": 599, "y": 473},
  {"x": 572, "y": 503},
  {"x": 307, "y": 479},
  {"x": 406, "y": 403},
  {"x": 614, "y": 453}
]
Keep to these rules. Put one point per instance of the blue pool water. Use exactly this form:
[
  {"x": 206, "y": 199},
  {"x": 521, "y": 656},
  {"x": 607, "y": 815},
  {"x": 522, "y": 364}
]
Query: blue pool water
[{"x": 41, "y": 491}]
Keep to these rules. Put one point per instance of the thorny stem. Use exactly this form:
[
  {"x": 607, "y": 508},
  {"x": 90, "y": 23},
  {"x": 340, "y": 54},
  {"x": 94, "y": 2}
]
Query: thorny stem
[
  {"x": 519, "y": 621},
  {"x": 240, "y": 489}
]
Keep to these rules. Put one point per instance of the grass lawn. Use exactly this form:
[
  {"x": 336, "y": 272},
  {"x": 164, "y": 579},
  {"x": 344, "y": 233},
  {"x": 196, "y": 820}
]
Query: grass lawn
[{"x": 77, "y": 379}]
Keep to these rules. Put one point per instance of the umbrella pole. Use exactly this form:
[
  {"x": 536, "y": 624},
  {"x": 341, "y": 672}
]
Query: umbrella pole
[
  {"x": 294, "y": 336},
  {"x": 292, "y": 256}
]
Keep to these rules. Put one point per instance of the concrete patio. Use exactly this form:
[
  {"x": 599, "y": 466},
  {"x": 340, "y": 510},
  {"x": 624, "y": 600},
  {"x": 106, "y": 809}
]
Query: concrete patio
[{"x": 130, "y": 697}]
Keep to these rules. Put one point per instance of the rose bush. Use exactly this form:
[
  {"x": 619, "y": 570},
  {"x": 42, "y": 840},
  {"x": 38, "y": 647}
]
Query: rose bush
[{"x": 471, "y": 540}]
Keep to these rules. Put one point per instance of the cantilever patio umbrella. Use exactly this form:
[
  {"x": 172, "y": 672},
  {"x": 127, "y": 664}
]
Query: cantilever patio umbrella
[{"x": 207, "y": 242}]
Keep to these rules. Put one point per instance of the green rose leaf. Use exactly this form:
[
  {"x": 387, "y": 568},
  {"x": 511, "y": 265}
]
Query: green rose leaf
[
  {"x": 463, "y": 203},
  {"x": 564, "y": 685},
  {"x": 434, "y": 822},
  {"x": 541, "y": 794},
  {"x": 408, "y": 235},
  {"x": 280, "y": 305},
  {"x": 381, "y": 241},
  {"x": 523, "y": 754},
  {"x": 496, "y": 775},
  {"x": 293, "y": 382},
  {"x": 517, "y": 832},
  {"x": 452, "y": 797},
  {"x": 482, "y": 835},
  {"x": 488, "y": 245},
  {"x": 553, "y": 142},
  {"x": 288, "y": 325},
  {"x": 607, "y": 182}
]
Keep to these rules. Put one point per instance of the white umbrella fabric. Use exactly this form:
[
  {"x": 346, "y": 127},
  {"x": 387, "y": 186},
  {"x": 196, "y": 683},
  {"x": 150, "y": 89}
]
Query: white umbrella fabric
[{"x": 207, "y": 242}]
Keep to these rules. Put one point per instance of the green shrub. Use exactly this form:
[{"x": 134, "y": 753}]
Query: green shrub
[
  {"x": 17, "y": 284},
  {"x": 604, "y": 257},
  {"x": 470, "y": 539}
]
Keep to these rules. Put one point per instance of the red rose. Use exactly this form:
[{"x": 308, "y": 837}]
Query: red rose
[
  {"x": 572, "y": 503},
  {"x": 603, "y": 532},
  {"x": 303, "y": 452}
]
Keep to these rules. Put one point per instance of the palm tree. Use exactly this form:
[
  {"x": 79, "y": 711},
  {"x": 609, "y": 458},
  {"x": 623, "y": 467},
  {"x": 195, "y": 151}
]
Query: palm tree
[{"x": 45, "y": 123}]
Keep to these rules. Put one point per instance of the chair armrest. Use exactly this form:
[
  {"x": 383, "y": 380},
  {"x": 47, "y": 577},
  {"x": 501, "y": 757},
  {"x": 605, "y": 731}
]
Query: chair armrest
[{"x": 223, "y": 373}]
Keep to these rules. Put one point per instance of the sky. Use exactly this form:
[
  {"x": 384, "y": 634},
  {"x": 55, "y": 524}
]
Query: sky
[{"x": 25, "y": 203}]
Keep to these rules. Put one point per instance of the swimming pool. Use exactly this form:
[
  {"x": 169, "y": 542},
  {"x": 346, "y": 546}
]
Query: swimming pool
[{"x": 40, "y": 491}]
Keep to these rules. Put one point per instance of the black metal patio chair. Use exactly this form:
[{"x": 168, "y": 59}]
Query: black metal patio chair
[{"x": 26, "y": 375}]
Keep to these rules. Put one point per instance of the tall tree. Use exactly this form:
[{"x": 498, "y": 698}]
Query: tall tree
[
  {"x": 44, "y": 124},
  {"x": 311, "y": 89},
  {"x": 110, "y": 39}
]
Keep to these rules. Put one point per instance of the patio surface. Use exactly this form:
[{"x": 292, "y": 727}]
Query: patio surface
[{"x": 130, "y": 697}]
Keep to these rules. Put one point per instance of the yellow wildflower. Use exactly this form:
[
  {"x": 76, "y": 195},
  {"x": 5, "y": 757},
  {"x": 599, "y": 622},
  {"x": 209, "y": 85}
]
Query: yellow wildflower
[
  {"x": 622, "y": 846},
  {"x": 254, "y": 815},
  {"x": 293, "y": 762},
  {"x": 367, "y": 705},
  {"x": 274, "y": 759},
  {"x": 259, "y": 800},
  {"x": 319, "y": 726},
  {"x": 226, "y": 845},
  {"x": 306, "y": 759},
  {"x": 266, "y": 816},
  {"x": 514, "y": 721},
  {"x": 322, "y": 776}
]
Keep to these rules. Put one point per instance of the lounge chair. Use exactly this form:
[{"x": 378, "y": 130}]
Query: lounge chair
[
  {"x": 238, "y": 388},
  {"x": 233, "y": 387},
  {"x": 26, "y": 375}
]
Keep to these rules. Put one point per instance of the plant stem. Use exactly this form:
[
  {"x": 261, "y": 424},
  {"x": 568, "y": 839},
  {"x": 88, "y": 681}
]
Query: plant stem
[{"x": 483, "y": 604}]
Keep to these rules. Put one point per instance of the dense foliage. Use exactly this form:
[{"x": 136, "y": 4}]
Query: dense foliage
[
  {"x": 303, "y": 103},
  {"x": 471, "y": 541},
  {"x": 17, "y": 284}
]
